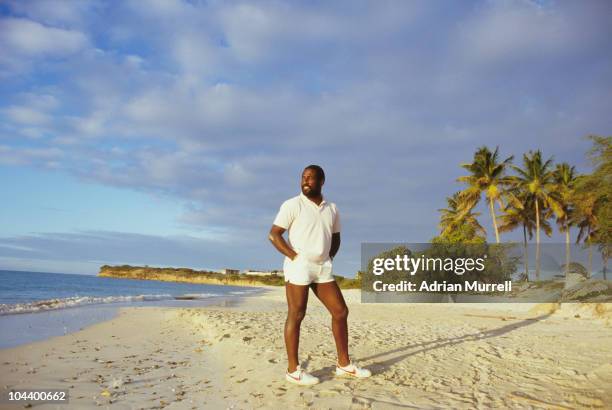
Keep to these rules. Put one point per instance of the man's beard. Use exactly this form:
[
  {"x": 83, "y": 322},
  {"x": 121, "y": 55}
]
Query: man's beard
[{"x": 312, "y": 192}]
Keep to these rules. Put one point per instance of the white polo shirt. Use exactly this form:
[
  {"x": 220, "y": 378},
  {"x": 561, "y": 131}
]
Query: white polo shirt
[{"x": 310, "y": 226}]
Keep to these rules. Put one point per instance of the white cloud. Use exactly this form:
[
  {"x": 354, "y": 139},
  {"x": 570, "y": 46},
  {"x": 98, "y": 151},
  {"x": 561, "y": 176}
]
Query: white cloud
[
  {"x": 91, "y": 125},
  {"x": 29, "y": 38},
  {"x": 502, "y": 32},
  {"x": 134, "y": 61},
  {"x": 195, "y": 54},
  {"x": 54, "y": 12},
  {"x": 172, "y": 10},
  {"x": 26, "y": 115},
  {"x": 43, "y": 157},
  {"x": 237, "y": 174},
  {"x": 32, "y": 132},
  {"x": 272, "y": 31},
  {"x": 45, "y": 102}
]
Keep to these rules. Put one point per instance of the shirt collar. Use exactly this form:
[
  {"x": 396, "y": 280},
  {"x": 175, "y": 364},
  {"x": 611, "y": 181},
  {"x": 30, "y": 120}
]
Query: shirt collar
[{"x": 304, "y": 197}]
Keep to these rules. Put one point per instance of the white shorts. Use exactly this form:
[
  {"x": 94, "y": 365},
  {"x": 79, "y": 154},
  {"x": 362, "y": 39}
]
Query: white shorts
[{"x": 302, "y": 271}]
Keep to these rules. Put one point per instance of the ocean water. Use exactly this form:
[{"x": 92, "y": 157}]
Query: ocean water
[{"x": 38, "y": 305}]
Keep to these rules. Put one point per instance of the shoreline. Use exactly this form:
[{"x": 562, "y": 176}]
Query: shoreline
[
  {"x": 44, "y": 324},
  {"x": 421, "y": 356}
]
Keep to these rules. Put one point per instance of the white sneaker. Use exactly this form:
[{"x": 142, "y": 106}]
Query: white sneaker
[
  {"x": 299, "y": 376},
  {"x": 352, "y": 371}
]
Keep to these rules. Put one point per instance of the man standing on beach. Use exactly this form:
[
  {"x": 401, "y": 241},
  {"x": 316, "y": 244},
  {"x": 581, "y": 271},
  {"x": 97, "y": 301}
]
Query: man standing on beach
[{"x": 314, "y": 239}]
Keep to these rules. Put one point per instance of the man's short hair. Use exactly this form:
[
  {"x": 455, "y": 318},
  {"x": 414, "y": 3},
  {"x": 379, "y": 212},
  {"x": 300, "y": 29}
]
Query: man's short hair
[{"x": 318, "y": 170}]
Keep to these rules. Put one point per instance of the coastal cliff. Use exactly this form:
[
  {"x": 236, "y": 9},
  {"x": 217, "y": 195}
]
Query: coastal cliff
[{"x": 188, "y": 276}]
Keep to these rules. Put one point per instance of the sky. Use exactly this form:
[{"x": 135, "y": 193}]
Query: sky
[{"x": 168, "y": 133}]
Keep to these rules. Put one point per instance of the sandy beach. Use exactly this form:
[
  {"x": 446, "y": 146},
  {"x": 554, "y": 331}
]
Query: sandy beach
[{"x": 421, "y": 355}]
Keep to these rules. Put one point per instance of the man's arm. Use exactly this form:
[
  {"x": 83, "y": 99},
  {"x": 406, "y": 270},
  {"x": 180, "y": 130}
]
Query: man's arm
[
  {"x": 335, "y": 244},
  {"x": 276, "y": 237}
]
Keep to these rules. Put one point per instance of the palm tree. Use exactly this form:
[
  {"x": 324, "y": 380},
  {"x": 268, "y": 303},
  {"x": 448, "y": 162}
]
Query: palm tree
[
  {"x": 565, "y": 179},
  {"x": 487, "y": 175},
  {"x": 601, "y": 157},
  {"x": 520, "y": 213},
  {"x": 589, "y": 206},
  {"x": 454, "y": 217},
  {"x": 585, "y": 218},
  {"x": 535, "y": 181},
  {"x": 593, "y": 213}
]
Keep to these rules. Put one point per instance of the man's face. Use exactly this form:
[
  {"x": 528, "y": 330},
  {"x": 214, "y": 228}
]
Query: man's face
[{"x": 311, "y": 185}]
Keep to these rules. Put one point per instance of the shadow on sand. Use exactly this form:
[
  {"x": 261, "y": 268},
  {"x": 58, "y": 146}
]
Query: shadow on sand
[{"x": 403, "y": 352}]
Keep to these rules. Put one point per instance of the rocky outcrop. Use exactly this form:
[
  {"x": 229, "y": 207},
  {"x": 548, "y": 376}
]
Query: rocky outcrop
[{"x": 187, "y": 276}]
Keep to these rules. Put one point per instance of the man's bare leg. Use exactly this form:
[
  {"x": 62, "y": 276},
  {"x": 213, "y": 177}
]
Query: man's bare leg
[
  {"x": 330, "y": 295},
  {"x": 297, "y": 299}
]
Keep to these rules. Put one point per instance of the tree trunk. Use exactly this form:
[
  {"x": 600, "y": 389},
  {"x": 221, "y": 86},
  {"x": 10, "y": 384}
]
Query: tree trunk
[
  {"x": 590, "y": 264},
  {"x": 567, "y": 249},
  {"x": 526, "y": 252},
  {"x": 537, "y": 209},
  {"x": 494, "y": 219}
]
